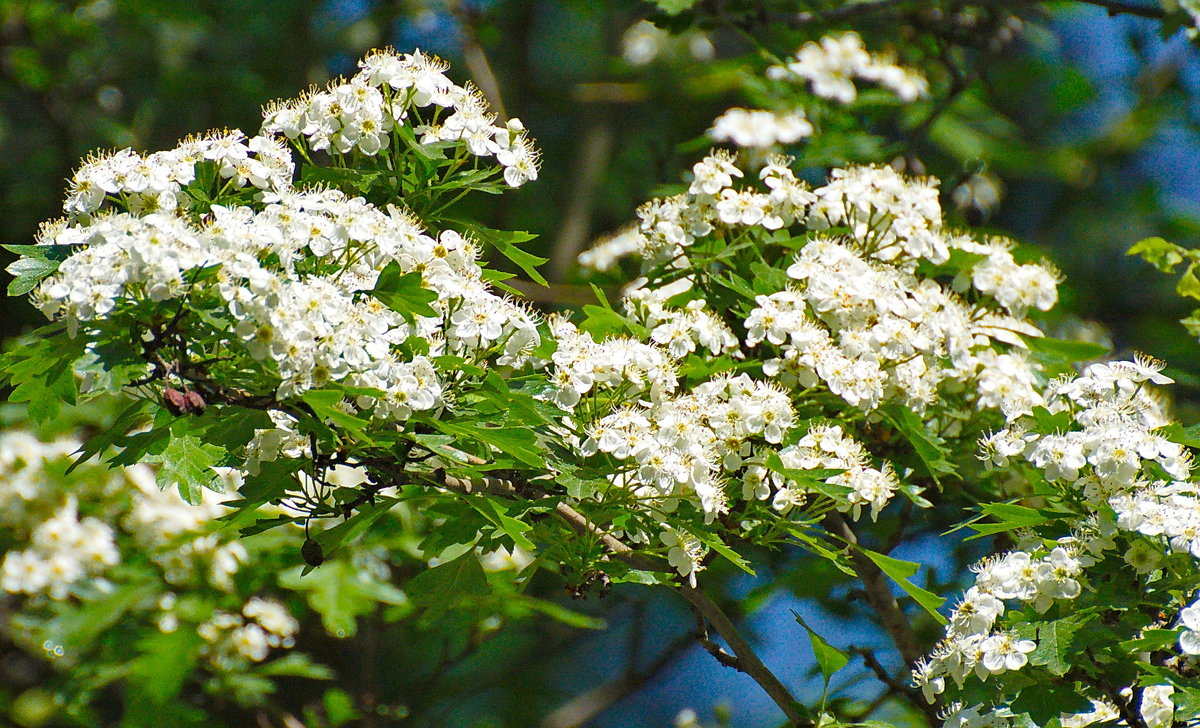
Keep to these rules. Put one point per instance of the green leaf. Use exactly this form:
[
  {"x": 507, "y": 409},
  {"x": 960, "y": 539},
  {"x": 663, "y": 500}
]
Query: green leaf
[
  {"x": 340, "y": 594},
  {"x": 1054, "y": 644},
  {"x": 899, "y": 572},
  {"x": 296, "y": 664},
  {"x": 356, "y": 525},
  {"x": 166, "y": 661},
  {"x": 674, "y": 7},
  {"x": 445, "y": 585},
  {"x": 1152, "y": 640},
  {"x": 929, "y": 447},
  {"x": 133, "y": 416},
  {"x": 1159, "y": 253},
  {"x": 348, "y": 180},
  {"x": 324, "y": 403},
  {"x": 404, "y": 293},
  {"x": 1177, "y": 433},
  {"x": 1051, "y": 422},
  {"x": 187, "y": 463},
  {"x": 1066, "y": 350},
  {"x": 602, "y": 322},
  {"x": 519, "y": 442},
  {"x": 339, "y": 708},
  {"x": 1045, "y": 701},
  {"x": 1011, "y": 517},
  {"x": 57, "y": 253},
  {"x": 768, "y": 280},
  {"x": 41, "y": 370},
  {"x": 809, "y": 479},
  {"x": 506, "y": 242},
  {"x": 28, "y": 273},
  {"x": 829, "y": 658},
  {"x": 80, "y": 628},
  {"x": 497, "y": 514},
  {"x": 714, "y": 542}
]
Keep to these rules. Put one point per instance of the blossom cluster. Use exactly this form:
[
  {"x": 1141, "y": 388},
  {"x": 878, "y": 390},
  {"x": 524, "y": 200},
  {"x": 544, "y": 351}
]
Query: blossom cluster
[
  {"x": 971, "y": 645},
  {"x": 231, "y": 639},
  {"x": 291, "y": 269},
  {"x": 395, "y": 89},
  {"x": 859, "y": 316},
  {"x": 1108, "y": 454},
  {"x": 760, "y": 129},
  {"x": 832, "y": 64},
  {"x": 157, "y": 182},
  {"x": 67, "y": 552}
]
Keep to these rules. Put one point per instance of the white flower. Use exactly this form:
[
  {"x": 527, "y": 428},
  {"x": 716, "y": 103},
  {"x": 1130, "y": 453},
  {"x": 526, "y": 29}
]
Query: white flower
[
  {"x": 1004, "y": 651},
  {"x": 1189, "y": 638}
]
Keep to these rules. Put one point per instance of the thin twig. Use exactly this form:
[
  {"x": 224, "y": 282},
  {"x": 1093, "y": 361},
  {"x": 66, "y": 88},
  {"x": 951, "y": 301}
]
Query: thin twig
[
  {"x": 895, "y": 686},
  {"x": 747, "y": 661}
]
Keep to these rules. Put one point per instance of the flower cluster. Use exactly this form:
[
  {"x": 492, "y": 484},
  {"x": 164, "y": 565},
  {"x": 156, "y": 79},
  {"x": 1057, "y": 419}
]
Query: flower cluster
[
  {"x": 971, "y": 645},
  {"x": 147, "y": 183},
  {"x": 63, "y": 550},
  {"x": 681, "y": 332},
  {"x": 1104, "y": 451},
  {"x": 832, "y": 64},
  {"x": 291, "y": 268},
  {"x": 393, "y": 90},
  {"x": 76, "y": 560},
  {"x": 760, "y": 129},
  {"x": 827, "y": 447},
  {"x": 231, "y": 639}
]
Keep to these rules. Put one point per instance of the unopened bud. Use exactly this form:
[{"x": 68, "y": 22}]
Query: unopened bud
[
  {"x": 175, "y": 401},
  {"x": 195, "y": 403},
  {"x": 312, "y": 552}
]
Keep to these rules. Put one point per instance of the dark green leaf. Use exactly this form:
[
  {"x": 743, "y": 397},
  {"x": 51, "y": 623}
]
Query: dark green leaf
[
  {"x": 404, "y": 293},
  {"x": 899, "y": 572},
  {"x": 1054, "y": 645},
  {"x": 811, "y": 480},
  {"x": 1066, "y": 350},
  {"x": 829, "y": 658},
  {"x": 296, "y": 664},
  {"x": 715, "y": 543},
  {"x": 166, "y": 661},
  {"x": 445, "y": 585},
  {"x": 324, "y": 403},
  {"x": 187, "y": 463},
  {"x": 929, "y": 447}
]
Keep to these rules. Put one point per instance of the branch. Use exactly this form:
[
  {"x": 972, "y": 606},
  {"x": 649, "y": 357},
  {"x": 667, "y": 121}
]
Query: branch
[
  {"x": 878, "y": 592},
  {"x": 1119, "y": 7},
  {"x": 744, "y": 658},
  {"x": 896, "y": 687},
  {"x": 477, "y": 62},
  {"x": 584, "y": 707}
]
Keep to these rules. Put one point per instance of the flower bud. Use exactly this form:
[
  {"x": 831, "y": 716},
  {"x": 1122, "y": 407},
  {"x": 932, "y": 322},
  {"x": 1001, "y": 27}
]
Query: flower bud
[
  {"x": 175, "y": 401},
  {"x": 195, "y": 403},
  {"x": 312, "y": 552}
]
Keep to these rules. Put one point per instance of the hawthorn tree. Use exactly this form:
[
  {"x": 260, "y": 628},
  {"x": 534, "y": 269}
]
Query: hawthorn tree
[{"x": 291, "y": 373}]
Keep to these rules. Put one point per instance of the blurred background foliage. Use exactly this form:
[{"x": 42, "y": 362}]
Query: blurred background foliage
[{"x": 1067, "y": 126}]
